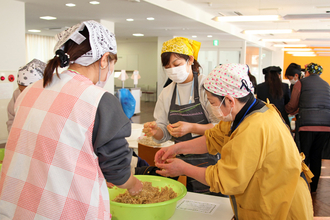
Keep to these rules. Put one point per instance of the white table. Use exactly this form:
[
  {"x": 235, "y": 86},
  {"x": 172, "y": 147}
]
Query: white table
[{"x": 223, "y": 210}]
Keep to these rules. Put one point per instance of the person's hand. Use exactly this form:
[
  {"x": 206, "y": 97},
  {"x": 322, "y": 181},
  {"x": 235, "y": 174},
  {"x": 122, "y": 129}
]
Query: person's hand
[
  {"x": 179, "y": 129},
  {"x": 136, "y": 189},
  {"x": 150, "y": 128},
  {"x": 165, "y": 153},
  {"x": 173, "y": 167},
  {"x": 110, "y": 185}
]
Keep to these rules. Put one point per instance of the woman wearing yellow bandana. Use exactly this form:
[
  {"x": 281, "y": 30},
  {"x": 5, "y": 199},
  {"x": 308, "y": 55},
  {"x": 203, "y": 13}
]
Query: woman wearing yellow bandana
[{"x": 182, "y": 110}]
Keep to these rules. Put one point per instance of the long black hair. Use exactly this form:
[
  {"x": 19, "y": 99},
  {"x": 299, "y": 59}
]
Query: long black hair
[{"x": 272, "y": 79}]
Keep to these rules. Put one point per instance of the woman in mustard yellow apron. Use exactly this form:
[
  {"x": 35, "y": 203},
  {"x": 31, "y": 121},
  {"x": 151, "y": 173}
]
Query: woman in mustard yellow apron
[{"x": 260, "y": 167}]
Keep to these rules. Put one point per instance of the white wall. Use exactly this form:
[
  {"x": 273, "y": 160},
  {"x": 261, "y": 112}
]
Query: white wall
[
  {"x": 12, "y": 44},
  {"x": 142, "y": 55}
]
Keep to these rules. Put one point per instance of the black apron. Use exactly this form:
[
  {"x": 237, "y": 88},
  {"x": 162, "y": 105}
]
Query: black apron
[{"x": 192, "y": 113}]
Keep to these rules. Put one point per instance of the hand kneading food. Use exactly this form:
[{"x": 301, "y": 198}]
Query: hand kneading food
[{"x": 148, "y": 195}]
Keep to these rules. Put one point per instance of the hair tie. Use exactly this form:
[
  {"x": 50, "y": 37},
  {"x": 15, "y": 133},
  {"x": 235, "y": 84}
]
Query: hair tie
[{"x": 64, "y": 58}]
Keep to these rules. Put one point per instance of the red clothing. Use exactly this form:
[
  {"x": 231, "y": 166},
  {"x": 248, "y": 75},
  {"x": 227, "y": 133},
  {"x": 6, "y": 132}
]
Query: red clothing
[{"x": 293, "y": 106}]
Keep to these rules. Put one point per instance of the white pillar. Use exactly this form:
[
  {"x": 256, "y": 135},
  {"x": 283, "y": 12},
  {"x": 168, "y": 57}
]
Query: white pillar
[
  {"x": 12, "y": 56},
  {"x": 12, "y": 37},
  {"x": 243, "y": 53},
  {"x": 110, "y": 85},
  {"x": 161, "y": 77}
]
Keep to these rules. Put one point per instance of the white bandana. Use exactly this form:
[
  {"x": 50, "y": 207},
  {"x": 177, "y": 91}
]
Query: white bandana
[
  {"x": 100, "y": 39},
  {"x": 31, "y": 72},
  {"x": 229, "y": 79}
]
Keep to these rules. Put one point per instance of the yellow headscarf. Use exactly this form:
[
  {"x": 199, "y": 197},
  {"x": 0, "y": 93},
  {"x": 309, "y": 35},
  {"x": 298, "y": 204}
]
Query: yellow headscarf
[{"x": 182, "y": 45}]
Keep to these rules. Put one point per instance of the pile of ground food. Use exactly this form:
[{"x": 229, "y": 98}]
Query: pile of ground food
[
  {"x": 149, "y": 194},
  {"x": 147, "y": 141}
]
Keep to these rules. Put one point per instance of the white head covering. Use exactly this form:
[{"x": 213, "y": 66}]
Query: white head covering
[
  {"x": 229, "y": 79},
  {"x": 100, "y": 39},
  {"x": 31, "y": 72}
]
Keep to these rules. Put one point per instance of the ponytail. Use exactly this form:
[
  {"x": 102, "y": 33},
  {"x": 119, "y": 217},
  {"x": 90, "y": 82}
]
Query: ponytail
[{"x": 70, "y": 53}]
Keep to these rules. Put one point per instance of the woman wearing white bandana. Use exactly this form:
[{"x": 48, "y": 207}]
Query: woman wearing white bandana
[
  {"x": 68, "y": 136},
  {"x": 28, "y": 74},
  {"x": 260, "y": 167}
]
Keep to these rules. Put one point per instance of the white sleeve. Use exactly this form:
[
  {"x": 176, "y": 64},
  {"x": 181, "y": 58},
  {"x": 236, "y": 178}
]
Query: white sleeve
[
  {"x": 161, "y": 111},
  {"x": 10, "y": 109}
]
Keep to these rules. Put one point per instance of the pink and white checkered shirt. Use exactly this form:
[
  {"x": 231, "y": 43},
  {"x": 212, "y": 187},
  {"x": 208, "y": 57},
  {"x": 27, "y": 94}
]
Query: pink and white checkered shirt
[{"x": 50, "y": 170}]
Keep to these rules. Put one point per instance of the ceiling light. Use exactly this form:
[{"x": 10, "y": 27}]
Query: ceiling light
[
  {"x": 321, "y": 49},
  {"x": 306, "y": 16},
  {"x": 209, "y": 36},
  {"x": 194, "y": 36},
  {"x": 48, "y": 18},
  {"x": 150, "y": 19},
  {"x": 304, "y": 55},
  {"x": 300, "y": 52},
  {"x": 94, "y": 2},
  {"x": 280, "y": 40},
  {"x": 34, "y": 30},
  {"x": 247, "y": 18},
  {"x": 70, "y": 4},
  {"x": 290, "y": 45},
  {"x": 129, "y": 19},
  {"x": 295, "y": 49},
  {"x": 320, "y": 45},
  {"x": 323, "y": 52},
  {"x": 138, "y": 35},
  {"x": 313, "y": 30},
  {"x": 279, "y": 31}
]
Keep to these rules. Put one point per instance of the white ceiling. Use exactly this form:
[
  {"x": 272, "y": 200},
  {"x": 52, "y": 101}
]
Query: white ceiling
[{"x": 169, "y": 23}]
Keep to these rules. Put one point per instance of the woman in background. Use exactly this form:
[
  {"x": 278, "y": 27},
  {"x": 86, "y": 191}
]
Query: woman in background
[
  {"x": 182, "y": 111},
  {"x": 273, "y": 89},
  {"x": 68, "y": 135},
  {"x": 28, "y": 74}
]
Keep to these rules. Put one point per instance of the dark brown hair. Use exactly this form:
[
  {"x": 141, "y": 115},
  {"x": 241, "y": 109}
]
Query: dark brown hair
[
  {"x": 274, "y": 83},
  {"x": 167, "y": 55},
  {"x": 74, "y": 51}
]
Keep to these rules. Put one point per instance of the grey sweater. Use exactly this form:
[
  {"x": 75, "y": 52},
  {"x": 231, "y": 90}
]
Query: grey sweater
[{"x": 110, "y": 129}]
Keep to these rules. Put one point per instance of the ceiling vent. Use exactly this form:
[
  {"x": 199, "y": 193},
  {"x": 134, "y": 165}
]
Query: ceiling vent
[
  {"x": 268, "y": 9},
  {"x": 238, "y": 13},
  {"x": 306, "y": 16}
]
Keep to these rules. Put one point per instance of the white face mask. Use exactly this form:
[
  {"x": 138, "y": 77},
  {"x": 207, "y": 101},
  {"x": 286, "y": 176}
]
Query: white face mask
[
  {"x": 219, "y": 114},
  {"x": 177, "y": 74},
  {"x": 102, "y": 83},
  {"x": 293, "y": 81}
]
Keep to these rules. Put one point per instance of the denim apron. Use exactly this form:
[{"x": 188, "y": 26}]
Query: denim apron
[{"x": 192, "y": 113}]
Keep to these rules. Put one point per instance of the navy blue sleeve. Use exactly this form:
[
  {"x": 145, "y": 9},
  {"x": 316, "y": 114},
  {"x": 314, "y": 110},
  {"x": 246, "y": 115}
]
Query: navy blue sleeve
[{"x": 110, "y": 129}]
